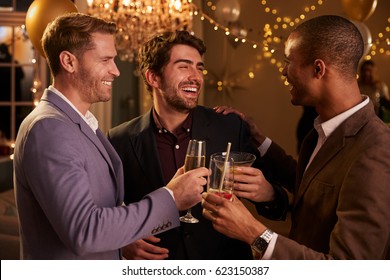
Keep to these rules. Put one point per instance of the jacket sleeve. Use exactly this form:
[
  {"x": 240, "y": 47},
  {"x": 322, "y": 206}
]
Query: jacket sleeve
[
  {"x": 276, "y": 209},
  {"x": 75, "y": 190}
]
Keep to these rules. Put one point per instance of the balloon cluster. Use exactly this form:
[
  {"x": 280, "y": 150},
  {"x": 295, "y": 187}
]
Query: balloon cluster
[
  {"x": 227, "y": 12},
  {"x": 40, "y": 14},
  {"x": 359, "y": 11}
]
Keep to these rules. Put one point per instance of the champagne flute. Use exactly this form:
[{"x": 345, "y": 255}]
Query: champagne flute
[{"x": 195, "y": 158}]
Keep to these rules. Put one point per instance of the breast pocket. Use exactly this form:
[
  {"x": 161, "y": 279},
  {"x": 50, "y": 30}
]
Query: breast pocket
[{"x": 321, "y": 199}]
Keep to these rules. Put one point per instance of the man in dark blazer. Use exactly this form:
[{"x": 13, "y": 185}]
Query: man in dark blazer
[
  {"x": 68, "y": 177},
  {"x": 341, "y": 181},
  {"x": 153, "y": 145}
]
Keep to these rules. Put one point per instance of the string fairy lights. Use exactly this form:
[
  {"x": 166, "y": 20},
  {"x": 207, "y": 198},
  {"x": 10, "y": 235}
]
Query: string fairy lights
[{"x": 270, "y": 41}]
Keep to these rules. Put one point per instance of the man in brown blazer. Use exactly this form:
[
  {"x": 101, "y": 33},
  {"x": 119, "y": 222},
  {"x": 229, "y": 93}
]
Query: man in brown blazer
[{"x": 341, "y": 182}]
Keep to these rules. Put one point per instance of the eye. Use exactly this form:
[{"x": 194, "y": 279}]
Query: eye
[
  {"x": 183, "y": 66},
  {"x": 105, "y": 60}
]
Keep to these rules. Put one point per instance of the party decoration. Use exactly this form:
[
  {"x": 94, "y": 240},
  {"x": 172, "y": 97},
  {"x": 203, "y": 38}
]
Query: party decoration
[
  {"x": 227, "y": 11},
  {"x": 359, "y": 10},
  {"x": 366, "y": 34},
  {"x": 237, "y": 34},
  {"x": 42, "y": 12}
]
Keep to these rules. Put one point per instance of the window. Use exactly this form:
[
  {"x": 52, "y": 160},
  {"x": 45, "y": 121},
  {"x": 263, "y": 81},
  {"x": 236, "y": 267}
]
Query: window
[{"x": 20, "y": 71}]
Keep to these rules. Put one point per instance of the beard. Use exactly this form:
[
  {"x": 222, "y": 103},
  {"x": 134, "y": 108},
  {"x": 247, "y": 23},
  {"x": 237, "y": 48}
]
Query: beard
[
  {"x": 91, "y": 89},
  {"x": 177, "y": 101},
  {"x": 181, "y": 104}
]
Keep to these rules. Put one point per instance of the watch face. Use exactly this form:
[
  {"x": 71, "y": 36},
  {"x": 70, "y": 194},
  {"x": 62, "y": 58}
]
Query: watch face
[{"x": 260, "y": 244}]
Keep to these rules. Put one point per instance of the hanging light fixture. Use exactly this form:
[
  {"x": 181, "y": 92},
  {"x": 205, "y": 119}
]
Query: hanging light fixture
[{"x": 138, "y": 20}]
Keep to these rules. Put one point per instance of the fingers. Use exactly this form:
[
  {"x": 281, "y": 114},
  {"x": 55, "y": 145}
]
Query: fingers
[
  {"x": 209, "y": 216},
  {"x": 212, "y": 199},
  {"x": 247, "y": 170},
  {"x": 152, "y": 239},
  {"x": 154, "y": 249},
  {"x": 225, "y": 110},
  {"x": 179, "y": 172},
  {"x": 219, "y": 109},
  {"x": 143, "y": 250},
  {"x": 210, "y": 209},
  {"x": 199, "y": 172},
  {"x": 211, "y": 202}
]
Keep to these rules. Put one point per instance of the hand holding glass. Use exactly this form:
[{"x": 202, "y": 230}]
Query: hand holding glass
[
  {"x": 221, "y": 178},
  {"x": 195, "y": 158}
]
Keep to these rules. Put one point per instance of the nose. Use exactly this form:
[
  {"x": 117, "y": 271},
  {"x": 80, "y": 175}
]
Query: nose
[
  {"x": 114, "y": 70},
  {"x": 196, "y": 76}
]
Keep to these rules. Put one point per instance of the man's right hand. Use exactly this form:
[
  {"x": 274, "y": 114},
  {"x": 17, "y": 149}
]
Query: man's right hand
[
  {"x": 143, "y": 250},
  {"x": 257, "y": 135},
  {"x": 187, "y": 187}
]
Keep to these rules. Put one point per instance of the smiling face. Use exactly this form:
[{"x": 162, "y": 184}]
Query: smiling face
[
  {"x": 299, "y": 73},
  {"x": 96, "y": 70},
  {"x": 181, "y": 81}
]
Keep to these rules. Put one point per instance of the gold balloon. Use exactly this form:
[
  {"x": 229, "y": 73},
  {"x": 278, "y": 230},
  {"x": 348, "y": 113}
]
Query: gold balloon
[
  {"x": 366, "y": 35},
  {"x": 42, "y": 12},
  {"x": 359, "y": 10}
]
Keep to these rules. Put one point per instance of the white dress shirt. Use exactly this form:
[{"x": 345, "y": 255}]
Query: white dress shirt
[{"x": 89, "y": 118}]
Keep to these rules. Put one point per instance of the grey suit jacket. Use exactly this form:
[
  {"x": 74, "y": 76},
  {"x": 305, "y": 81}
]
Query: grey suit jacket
[
  {"x": 341, "y": 203},
  {"x": 69, "y": 190}
]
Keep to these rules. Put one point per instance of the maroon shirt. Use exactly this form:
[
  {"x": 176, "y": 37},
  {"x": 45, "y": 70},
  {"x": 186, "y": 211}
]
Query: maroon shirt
[{"x": 172, "y": 146}]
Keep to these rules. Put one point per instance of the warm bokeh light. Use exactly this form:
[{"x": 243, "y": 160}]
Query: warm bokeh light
[{"x": 271, "y": 39}]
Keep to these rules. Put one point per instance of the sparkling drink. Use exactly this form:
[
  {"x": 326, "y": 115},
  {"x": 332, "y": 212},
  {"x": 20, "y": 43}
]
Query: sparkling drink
[
  {"x": 193, "y": 162},
  {"x": 195, "y": 158}
]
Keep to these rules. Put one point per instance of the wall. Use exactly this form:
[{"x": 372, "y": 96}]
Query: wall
[{"x": 265, "y": 97}]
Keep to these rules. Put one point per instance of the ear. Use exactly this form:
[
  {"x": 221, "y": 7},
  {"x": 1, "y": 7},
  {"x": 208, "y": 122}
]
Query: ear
[
  {"x": 319, "y": 68},
  {"x": 152, "y": 79},
  {"x": 68, "y": 61}
]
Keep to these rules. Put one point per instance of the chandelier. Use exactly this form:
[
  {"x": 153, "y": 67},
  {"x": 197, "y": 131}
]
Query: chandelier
[{"x": 138, "y": 20}]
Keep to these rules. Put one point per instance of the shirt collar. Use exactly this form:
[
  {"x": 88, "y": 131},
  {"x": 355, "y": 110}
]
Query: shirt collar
[
  {"x": 327, "y": 128},
  {"x": 185, "y": 126},
  {"x": 89, "y": 118}
]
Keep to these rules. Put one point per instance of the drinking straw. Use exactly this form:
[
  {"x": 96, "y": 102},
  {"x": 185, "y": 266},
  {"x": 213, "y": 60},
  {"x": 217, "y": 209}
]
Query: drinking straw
[{"x": 224, "y": 166}]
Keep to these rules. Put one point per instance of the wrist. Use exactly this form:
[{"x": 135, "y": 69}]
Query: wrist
[
  {"x": 255, "y": 230},
  {"x": 260, "y": 243}
]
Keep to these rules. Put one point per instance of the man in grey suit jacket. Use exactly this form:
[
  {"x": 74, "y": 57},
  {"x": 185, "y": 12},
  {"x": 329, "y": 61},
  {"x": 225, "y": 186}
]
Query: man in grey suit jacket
[
  {"x": 340, "y": 184},
  {"x": 68, "y": 177}
]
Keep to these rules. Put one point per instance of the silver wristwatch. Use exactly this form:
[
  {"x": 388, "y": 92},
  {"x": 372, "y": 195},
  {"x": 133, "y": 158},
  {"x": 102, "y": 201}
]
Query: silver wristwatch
[{"x": 260, "y": 244}]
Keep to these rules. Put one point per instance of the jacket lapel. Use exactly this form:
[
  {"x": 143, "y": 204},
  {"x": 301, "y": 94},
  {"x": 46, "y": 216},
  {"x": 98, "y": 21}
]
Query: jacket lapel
[
  {"x": 63, "y": 106},
  {"x": 115, "y": 162},
  {"x": 335, "y": 142},
  {"x": 200, "y": 128},
  {"x": 145, "y": 148},
  {"x": 308, "y": 146}
]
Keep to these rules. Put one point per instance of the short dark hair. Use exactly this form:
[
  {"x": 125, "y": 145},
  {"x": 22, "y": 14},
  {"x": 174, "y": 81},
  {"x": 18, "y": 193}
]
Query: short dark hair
[
  {"x": 155, "y": 53},
  {"x": 334, "y": 39},
  {"x": 72, "y": 32}
]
